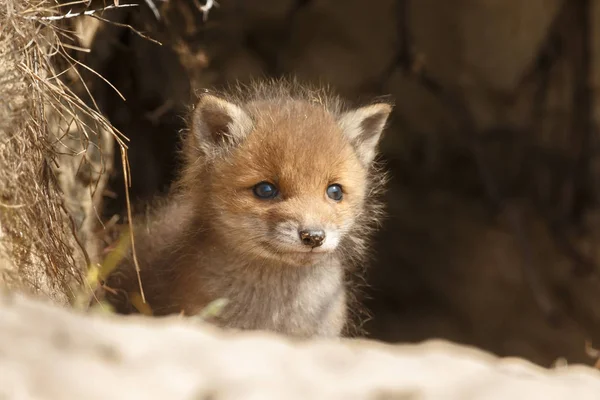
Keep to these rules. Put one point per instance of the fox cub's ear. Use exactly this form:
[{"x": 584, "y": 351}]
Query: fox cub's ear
[
  {"x": 218, "y": 123},
  {"x": 364, "y": 126}
]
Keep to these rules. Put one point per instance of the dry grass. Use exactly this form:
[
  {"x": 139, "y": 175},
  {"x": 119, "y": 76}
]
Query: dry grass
[{"x": 41, "y": 122}]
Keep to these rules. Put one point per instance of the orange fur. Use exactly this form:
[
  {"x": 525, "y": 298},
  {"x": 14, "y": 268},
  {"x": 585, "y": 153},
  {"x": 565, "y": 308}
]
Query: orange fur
[{"x": 213, "y": 238}]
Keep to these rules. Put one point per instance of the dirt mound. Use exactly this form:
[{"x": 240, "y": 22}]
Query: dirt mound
[{"x": 55, "y": 354}]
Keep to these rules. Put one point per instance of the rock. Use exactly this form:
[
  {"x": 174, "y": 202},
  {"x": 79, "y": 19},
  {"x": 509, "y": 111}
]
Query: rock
[
  {"x": 255, "y": 12},
  {"x": 479, "y": 47},
  {"x": 419, "y": 118},
  {"x": 489, "y": 42},
  {"x": 341, "y": 44},
  {"x": 52, "y": 353}
]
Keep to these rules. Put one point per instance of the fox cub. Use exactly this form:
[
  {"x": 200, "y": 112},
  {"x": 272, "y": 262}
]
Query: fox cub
[{"x": 272, "y": 211}]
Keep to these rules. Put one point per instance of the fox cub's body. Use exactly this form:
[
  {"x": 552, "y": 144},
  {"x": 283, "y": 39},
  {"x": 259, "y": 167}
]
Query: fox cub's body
[{"x": 273, "y": 207}]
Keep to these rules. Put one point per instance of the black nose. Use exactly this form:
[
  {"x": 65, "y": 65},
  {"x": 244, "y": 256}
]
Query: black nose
[{"x": 312, "y": 237}]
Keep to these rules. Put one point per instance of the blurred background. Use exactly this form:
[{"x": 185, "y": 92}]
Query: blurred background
[{"x": 493, "y": 227}]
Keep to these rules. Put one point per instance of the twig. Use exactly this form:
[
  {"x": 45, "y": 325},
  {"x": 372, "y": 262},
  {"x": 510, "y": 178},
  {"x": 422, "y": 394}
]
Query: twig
[
  {"x": 127, "y": 26},
  {"x": 86, "y": 256},
  {"x": 126, "y": 178},
  {"x": 154, "y": 9},
  {"x": 71, "y": 14},
  {"x": 206, "y": 8},
  {"x": 4, "y": 205}
]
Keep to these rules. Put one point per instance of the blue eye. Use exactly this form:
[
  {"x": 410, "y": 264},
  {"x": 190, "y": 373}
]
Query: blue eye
[
  {"x": 265, "y": 190},
  {"x": 334, "y": 192}
]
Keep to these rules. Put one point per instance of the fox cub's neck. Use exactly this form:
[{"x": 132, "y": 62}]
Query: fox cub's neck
[{"x": 301, "y": 300}]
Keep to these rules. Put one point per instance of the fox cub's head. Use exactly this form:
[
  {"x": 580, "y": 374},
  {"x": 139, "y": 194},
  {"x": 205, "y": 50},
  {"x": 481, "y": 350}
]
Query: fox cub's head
[{"x": 285, "y": 178}]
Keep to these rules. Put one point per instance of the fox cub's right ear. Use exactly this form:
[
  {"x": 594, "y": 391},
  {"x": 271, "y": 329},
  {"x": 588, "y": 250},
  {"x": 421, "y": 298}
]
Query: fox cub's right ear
[{"x": 218, "y": 123}]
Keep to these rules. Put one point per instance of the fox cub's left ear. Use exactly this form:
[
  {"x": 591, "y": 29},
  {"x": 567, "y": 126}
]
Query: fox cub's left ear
[
  {"x": 364, "y": 126},
  {"x": 218, "y": 123}
]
